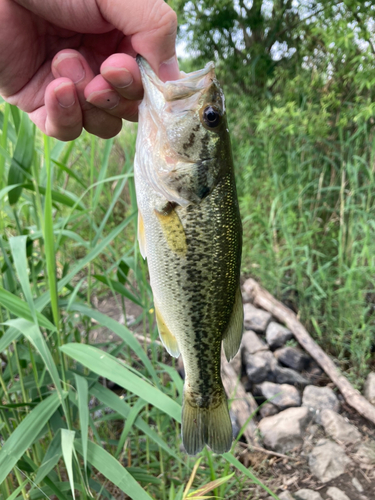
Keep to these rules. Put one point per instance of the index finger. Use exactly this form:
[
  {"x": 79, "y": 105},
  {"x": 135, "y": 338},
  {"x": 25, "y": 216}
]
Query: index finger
[{"x": 152, "y": 28}]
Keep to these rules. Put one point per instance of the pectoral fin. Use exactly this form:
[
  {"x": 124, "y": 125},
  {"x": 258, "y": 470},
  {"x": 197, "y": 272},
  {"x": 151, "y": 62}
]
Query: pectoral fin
[
  {"x": 168, "y": 339},
  {"x": 141, "y": 235},
  {"x": 233, "y": 334},
  {"x": 173, "y": 229}
]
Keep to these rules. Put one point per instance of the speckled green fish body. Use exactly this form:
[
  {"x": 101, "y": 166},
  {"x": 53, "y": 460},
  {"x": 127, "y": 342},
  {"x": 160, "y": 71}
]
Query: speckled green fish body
[{"x": 189, "y": 229}]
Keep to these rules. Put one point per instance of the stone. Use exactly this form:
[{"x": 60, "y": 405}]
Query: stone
[
  {"x": 292, "y": 358},
  {"x": 281, "y": 395},
  {"x": 289, "y": 376},
  {"x": 365, "y": 453},
  {"x": 255, "y": 319},
  {"x": 251, "y": 343},
  {"x": 338, "y": 428},
  {"x": 284, "y": 432},
  {"x": 277, "y": 335},
  {"x": 357, "y": 485},
  {"x": 236, "y": 364},
  {"x": 259, "y": 366},
  {"x": 235, "y": 427},
  {"x": 267, "y": 410},
  {"x": 370, "y": 388},
  {"x": 327, "y": 460},
  {"x": 336, "y": 494},
  {"x": 285, "y": 495},
  {"x": 306, "y": 494},
  {"x": 320, "y": 398}
]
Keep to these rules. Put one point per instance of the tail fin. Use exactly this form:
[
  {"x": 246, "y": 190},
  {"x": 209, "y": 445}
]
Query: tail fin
[{"x": 211, "y": 426}]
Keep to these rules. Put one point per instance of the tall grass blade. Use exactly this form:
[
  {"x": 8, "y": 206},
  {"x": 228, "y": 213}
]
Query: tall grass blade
[
  {"x": 113, "y": 470},
  {"x": 118, "y": 287},
  {"x": 67, "y": 447},
  {"x": 110, "y": 399},
  {"x": 18, "y": 490},
  {"x": 49, "y": 239},
  {"x": 83, "y": 410},
  {"x": 24, "y": 435},
  {"x": 33, "y": 335},
  {"x": 233, "y": 460},
  {"x": 22, "y": 157},
  {"x": 133, "y": 414},
  {"x": 45, "y": 298},
  {"x": 111, "y": 368},
  {"x": 18, "y": 248},
  {"x": 50, "y": 459}
]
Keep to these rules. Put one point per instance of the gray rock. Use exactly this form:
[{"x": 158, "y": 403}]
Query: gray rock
[
  {"x": 336, "y": 494},
  {"x": 370, "y": 388},
  {"x": 320, "y": 398},
  {"x": 328, "y": 460},
  {"x": 289, "y": 376},
  {"x": 235, "y": 427},
  {"x": 267, "y": 410},
  {"x": 259, "y": 366},
  {"x": 255, "y": 319},
  {"x": 293, "y": 358},
  {"x": 338, "y": 428},
  {"x": 357, "y": 485},
  {"x": 281, "y": 395},
  {"x": 284, "y": 432},
  {"x": 277, "y": 335},
  {"x": 251, "y": 343},
  {"x": 365, "y": 453},
  {"x": 236, "y": 363},
  {"x": 306, "y": 494},
  {"x": 285, "y": 495}
]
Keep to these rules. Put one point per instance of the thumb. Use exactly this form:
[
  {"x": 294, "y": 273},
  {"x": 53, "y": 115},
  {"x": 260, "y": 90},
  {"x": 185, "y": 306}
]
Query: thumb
[{"x": 151, "y": 26}]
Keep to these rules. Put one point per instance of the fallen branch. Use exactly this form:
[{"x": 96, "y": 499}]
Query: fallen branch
[
  {"x": 243, "y": 404},
  {"x": 265, "y": 300},
  {"x": 267, "y": 452}
]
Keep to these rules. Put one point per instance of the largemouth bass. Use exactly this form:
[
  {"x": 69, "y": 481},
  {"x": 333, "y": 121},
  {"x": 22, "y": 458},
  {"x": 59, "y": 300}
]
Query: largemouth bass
[{"x": 189, "y": 229}]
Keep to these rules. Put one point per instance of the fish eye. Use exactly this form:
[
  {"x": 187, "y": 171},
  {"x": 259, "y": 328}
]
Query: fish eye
[{"x": 211, "y": 117}]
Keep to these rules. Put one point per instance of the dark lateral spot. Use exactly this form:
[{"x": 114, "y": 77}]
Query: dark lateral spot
[
  {"x": 190, "y": 142},
  {"x": 204, "y": 191}
]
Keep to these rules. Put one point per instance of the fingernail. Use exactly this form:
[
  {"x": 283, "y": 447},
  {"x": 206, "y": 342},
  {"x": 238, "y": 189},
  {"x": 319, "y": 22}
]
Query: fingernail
[
  {"x": 65, "y": 94},
  {"x": 106, "y": 99},
  {"x": 118, "y": 77},
  {"x": 168, "y": 70},
  {"x": 70, "y": 66}
]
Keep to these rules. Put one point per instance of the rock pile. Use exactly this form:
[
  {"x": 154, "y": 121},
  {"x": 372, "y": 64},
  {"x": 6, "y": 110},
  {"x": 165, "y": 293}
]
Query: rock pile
[{"x": 282, "y": 378}]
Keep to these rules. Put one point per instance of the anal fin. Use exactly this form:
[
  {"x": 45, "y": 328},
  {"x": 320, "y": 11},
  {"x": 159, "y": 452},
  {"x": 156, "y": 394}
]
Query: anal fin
[
  {"x": 233, "y": 334},
  {"x": 141, "y": 235},
  {"x": 168, "y": 339}
]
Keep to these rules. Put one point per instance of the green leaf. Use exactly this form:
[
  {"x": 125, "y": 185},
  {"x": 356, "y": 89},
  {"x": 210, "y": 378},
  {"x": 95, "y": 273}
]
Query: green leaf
[
  {"x": 20, "y": 309},
  {"x": 9, "y": 336},
  {"x": 109, "y": 367},
  {"x": 22, "y": 158},
  {"x": 70, "y": 172},
  {"x": 67, "y": 447},
  {"x": 113, "y": 470},
  {"x": 50, "y": 459},
  {"x": 117, "y": 404},
  {"x": 198, "y": 494},
  {"x": 83, "y": 409},
  {"x": 25, "y": 433},
  {"x": 124, "y": 333},
  {"x": 118, "y": 287}
]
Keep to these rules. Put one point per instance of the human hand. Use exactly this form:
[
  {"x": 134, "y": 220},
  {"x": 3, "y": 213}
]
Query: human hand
[{"x": 71, "y": 63}]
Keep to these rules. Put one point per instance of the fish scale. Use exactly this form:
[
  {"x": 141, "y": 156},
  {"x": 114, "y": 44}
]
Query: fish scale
[{"x": 190, "y": 231}]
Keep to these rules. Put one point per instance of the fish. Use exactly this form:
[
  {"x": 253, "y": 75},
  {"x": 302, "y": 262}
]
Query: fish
[{"x": 189, "y": 229}]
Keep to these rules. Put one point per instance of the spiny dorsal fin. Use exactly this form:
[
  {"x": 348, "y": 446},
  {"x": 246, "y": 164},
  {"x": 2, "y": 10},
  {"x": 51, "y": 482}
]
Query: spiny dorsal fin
[{"x": 233, "y": 334}]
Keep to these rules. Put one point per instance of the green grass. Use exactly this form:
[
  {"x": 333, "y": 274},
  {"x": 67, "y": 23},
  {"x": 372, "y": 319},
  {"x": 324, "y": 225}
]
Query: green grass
[{"x": 67, "y": 237}]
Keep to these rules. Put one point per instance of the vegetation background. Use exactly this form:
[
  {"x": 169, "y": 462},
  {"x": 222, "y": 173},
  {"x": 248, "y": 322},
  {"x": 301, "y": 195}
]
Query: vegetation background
[{"x": 299, "y": 79}]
